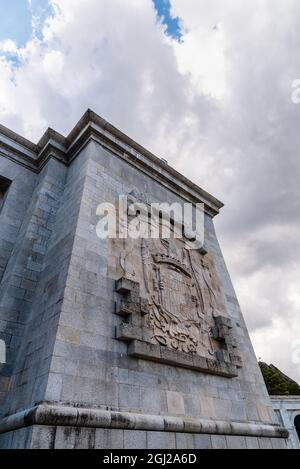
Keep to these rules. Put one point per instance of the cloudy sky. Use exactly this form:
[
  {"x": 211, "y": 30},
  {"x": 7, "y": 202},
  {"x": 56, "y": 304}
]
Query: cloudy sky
[{"x": 206, "y": 85}]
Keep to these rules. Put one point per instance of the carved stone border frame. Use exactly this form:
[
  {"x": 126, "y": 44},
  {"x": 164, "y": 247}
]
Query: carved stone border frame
[{"x": 131, "y": 305}]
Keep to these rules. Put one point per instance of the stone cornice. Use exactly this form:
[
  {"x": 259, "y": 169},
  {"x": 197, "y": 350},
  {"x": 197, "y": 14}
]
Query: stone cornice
[
  {"x": 66, "y": 416},
  {"x": 93, "y": 127},
  {"x": 290, "y": 402},
  {"x": 285, "y": 398}
]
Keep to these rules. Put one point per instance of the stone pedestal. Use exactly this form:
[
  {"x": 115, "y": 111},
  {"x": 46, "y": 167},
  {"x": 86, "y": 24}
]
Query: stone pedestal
[{"x": 116, "y": 343}]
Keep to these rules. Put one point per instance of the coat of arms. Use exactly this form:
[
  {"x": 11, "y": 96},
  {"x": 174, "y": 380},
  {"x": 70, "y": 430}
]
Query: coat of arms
[
  {"x": 181, "y": 295},
  {"x": 170, "y": 299}
]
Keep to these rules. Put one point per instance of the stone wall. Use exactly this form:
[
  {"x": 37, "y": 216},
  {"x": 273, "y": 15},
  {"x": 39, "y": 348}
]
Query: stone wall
[
  {"x": 91, "y": 438},
  {"x": 96, "y": 368},
  {"x": 287, "y": 408},
  {"x": 57, "y": 306},
  {"x": 13, "y": 223}
]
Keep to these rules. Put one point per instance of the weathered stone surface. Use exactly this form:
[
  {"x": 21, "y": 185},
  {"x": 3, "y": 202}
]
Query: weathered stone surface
[
  {"x": 160, "y": 354},
  {"x": 287, "y": 410},
  {"x": 39, "y": 437},
  {"x": 128, "y": 333},
  {"x": 59, "y": 415},
  {"x": 59, "y": 284},
  {"x": 125, "y": 286},
  {"x": 175, "y": 403}
]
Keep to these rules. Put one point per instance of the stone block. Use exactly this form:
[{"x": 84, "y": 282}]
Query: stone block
[
  {"x": 129, "y": 397},
  {"x": 123, "y": 309},
  {"x": 135, "y": 440},
  {"x": 252, "y": 443},
  {"x": 75, "y": 438},
  {"x": 68, "y": 334},
  {"x": 6, "y": 440},
  {"x": 175, "y": 403},
  {"x": 144, "y": 350},
  {"x": 161, "y": 440},
  {"x": 152, "y": 400},
  {"x": 184, "y": 441},
  {"x": 218, "y": 442},
  {"x": 223, "y": 321},
  {"x": 265, "y": 443},
  {"x": 43, "y": 437},
  {"x": 21, "y": 438},
  {"x": 235, "y": 442},
  {"x": 54, "y": 387},
  {"x": 127, "y": 332},
  {"x": 278, "y": 444},
  {"x": 124, "y": 286},
  {"x": 202, "y": 441},
  {"x": 208, "y": 407}
]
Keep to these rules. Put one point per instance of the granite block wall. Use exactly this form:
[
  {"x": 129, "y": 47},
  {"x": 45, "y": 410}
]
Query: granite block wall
[
  {"x": 39, "y": 272},
  {"x": 12, "y": 226},
  {"x": 90, "y": 438},
  {"x": 57, "y": 317},
  {"x": 89, "y": 367}
]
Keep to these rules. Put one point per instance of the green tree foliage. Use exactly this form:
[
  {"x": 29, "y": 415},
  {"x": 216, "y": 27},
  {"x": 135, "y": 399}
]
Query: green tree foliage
[{"x": 278, "y": 384}]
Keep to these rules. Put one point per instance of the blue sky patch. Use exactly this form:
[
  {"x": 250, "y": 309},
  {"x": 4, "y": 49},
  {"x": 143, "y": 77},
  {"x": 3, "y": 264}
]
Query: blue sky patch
[
  {"x": 16, "y": 18},
  {"x": 163, "y": 8}
]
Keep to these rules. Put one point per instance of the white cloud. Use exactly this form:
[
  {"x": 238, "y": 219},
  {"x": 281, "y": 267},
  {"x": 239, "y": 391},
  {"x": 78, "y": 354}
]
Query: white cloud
[
  {"x": 217, "y": 107},
  {"x": 8, "y": 46}
]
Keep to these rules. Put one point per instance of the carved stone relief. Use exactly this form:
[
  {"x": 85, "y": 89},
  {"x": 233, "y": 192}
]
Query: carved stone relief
[
  {"x": 172, "y": 306},
  {"x": 176, "y": 299}
]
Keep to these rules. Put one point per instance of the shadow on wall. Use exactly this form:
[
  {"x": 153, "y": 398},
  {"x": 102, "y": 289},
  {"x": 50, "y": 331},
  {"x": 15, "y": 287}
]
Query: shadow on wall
[
  {"x": 297, "y": 425},
  {"x": 4, "y": 185}
]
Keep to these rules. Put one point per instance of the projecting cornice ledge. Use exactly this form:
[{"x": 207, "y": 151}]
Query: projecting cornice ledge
[
  {"x": 61, "y": 416},
  {"x": 91, "y": 126}
]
